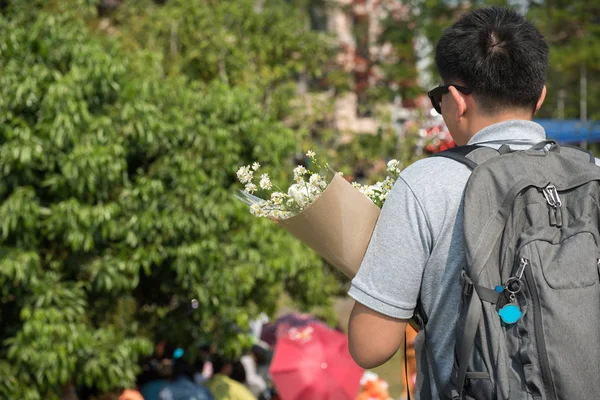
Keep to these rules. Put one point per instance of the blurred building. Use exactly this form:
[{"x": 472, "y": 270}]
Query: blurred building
[{"x": 358, "y": 25}]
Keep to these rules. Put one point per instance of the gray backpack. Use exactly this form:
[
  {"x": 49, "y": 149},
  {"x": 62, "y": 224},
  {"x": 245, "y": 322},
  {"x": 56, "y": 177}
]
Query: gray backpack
[{"x": 529, "y": 323}]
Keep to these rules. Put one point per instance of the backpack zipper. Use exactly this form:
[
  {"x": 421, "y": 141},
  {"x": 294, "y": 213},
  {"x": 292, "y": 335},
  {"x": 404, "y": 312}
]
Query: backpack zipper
[
  {"x": 551, "y": 194},
  {"x": 539, "y": 334}
]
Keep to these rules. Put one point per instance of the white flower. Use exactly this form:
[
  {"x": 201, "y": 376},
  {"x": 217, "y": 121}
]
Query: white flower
[
  {"x": 295, "y": 192},
  {"x": 314, "y": 192},
  {"x": 388, "y": 183},
  {"x": 255, "y": 166},
  {"x": 300, "y": 194},
  {"x": 265, "y": 182},
  {"x": 256, "y": 210},
  {"x": 369, "y": 192},
  {"x": 277, "y": 198},
  {"x": 393, "y": 167},
  {"x": 315, "y": 180},
  {"x": 299, "y": 172},
  {"x": 251, "y": 188},
  {"x": 278, "y": 214},
  {"x": 310, "y": 154},
  {"x": 242, "y": 171},
  {"x": 244, "y": 174},
  {"x": 356, "y": 185}
]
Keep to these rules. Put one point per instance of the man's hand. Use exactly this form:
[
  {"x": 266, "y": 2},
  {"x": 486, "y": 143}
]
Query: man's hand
[{"x": 373, "y": 337}]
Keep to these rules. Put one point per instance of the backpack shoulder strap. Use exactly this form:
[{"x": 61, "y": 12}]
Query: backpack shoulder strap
[
  {"x": 459, "y": 154},
  {"x": 589, "y": 153}
]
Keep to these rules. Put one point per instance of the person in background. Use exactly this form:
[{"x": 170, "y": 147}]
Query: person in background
[
  {"x": 263, "y": 354},
  {"x": 156, "y": 371},
  {"x": 222, "y": 386},
  {"x": 151, "y": 382},
  {"x": 254, "y": 382},
  {"x": 238, "y": 372},
  {"x": 182, "y": 387},
  {"x": 204, "y": 368}
]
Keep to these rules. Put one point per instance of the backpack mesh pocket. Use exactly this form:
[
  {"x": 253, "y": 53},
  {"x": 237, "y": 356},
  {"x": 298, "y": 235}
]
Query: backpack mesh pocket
[{"x": 480, "y": 389}]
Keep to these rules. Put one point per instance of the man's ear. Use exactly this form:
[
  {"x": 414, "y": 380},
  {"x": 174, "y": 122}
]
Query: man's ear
[
  {"x": 459, "y": 99},
  {"x": 541, "y": 100}
]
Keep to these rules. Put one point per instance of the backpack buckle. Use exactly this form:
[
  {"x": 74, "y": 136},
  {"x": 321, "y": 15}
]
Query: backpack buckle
[
  {"x": 467, "y": 288},
  {"x": 466, "y": 284}
]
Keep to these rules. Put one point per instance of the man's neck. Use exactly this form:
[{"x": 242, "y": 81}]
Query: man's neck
[{"x": 480, "y": 122}]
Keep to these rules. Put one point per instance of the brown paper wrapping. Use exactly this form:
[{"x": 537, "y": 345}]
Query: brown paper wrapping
[{"x": 338, "y": 225}]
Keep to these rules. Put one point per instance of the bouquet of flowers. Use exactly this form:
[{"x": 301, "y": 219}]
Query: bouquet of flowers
[
  {"x": 335, "y": 219},
  {"x": 309, "y": 185},
  {"x": 373, "y": 387}
]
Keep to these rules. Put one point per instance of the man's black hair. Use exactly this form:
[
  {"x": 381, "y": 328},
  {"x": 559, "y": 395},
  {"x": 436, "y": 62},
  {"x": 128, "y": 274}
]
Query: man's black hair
[
  {"x": 148, "y": 374},
  {"x": 497, "y": 53},
  {"x": 181, "y": 368},
  {"x": 260, "y": 354},
  {"x": 238, "y": 372},
  {"x": 219, "y": 363}
]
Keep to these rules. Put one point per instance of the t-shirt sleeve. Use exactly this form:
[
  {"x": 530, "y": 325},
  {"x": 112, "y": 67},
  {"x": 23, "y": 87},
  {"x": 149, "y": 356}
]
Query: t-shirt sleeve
[{"x": 389, "y": 279}]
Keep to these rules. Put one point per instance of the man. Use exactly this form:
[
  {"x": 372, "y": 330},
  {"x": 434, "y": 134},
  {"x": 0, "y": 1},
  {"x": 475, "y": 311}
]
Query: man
[{"x": 493, "y": 64}]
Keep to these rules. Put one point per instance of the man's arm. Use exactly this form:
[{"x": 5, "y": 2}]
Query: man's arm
[
  {"x": 373, "y": 338},
  {"x": 387, "y": 285}
]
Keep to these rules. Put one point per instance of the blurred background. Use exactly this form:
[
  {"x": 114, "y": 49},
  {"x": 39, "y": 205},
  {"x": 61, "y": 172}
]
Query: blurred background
[{"x": 123, "y": 123}]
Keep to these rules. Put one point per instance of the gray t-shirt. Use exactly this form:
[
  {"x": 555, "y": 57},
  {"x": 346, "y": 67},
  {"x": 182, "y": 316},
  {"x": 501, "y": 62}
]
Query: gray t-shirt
[{"x": 417, "y": 248}]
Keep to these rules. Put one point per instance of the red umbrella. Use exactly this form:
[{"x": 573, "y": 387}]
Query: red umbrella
[
  {"x": 313, "y": 363},
  {"x": 273, "y": 330}
]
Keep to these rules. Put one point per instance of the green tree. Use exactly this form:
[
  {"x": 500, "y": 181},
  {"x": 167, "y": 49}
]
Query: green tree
[
  {"x": 572, "y": 29},
  {"x": 266, "y": 44},
  {"x": 116, "y": 205},
  {"x": 399, "y": 31}
]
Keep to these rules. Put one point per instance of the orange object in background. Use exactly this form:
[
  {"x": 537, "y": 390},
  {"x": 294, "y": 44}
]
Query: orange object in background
[
  {"x": 411, "y": 363},
  {"x": 130, "y": 394},
  {"x": 376, "y": 389}
]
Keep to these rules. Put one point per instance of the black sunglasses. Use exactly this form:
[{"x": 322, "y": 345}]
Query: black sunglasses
[{"x": 435, "y": 95}]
